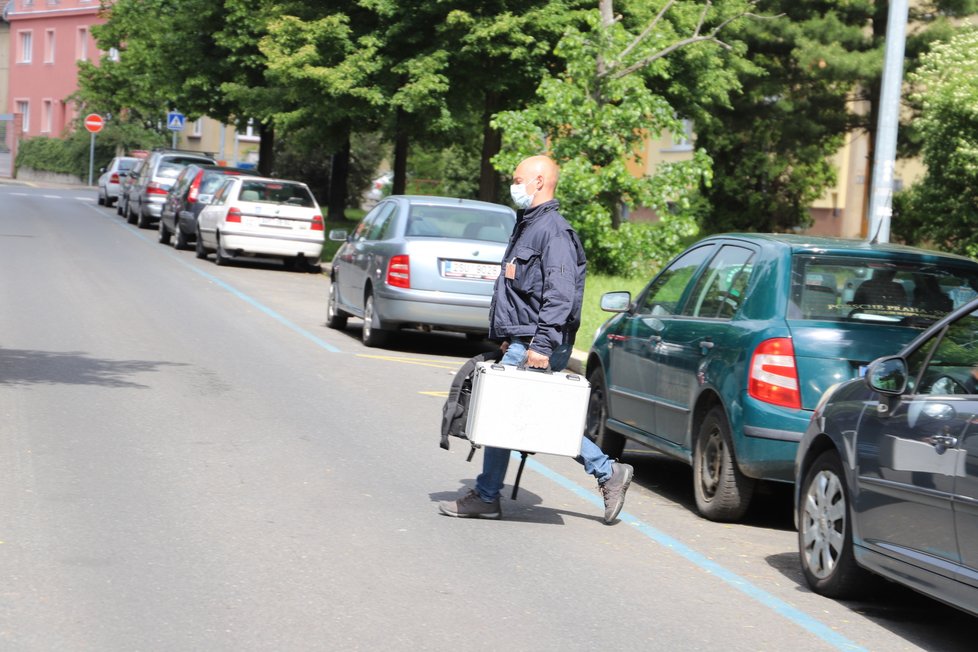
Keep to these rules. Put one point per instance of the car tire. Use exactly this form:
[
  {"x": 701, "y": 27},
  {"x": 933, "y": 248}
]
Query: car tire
[
  {"x": 141, "y": 220},
  {"x": 825, "y": 531},
  {"x": 180, "y": 238},
  {"x": 164, "y": 233},
  {"x": 221, "y": 256},
  {"x": 199, "y": 248},
  {"x": 109, "y": 201},
  {"x": 595, "y": 426},
  {"x": 119, "y": 208},
  {"x": 723, "y": 492},
  {"x": 335, "y": 318},
  {"x": 130, "y": 215},
  {"x": 372, "y": 334},
  {"x": 101, "y": 198}
]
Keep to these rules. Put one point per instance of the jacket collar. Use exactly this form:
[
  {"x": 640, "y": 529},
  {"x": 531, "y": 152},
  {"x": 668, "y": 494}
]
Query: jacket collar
[{"x": 529, "y": 214}]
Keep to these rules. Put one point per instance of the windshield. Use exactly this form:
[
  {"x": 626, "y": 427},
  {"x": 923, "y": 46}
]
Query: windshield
[
  {"x": 871, "y": 290},
  {"x": 276, "y": 192},
  {"x": 459, "y": 223}
]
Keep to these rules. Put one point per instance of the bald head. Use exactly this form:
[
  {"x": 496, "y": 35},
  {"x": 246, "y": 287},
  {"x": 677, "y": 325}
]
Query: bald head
[{"x": 539, "y": 175}]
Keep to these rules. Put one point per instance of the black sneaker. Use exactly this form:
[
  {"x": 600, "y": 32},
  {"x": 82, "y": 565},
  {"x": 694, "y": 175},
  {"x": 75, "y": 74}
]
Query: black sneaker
[
  {"x": 471, "y": 506},
  {"x": 614, "y": 490}
]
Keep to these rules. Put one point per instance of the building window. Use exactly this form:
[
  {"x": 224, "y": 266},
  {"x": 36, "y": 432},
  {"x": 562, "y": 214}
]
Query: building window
[
  {"x": 49, "y": 46},
  {"x": 113, "y": 54},
  {"x": 26, "y": 47},
  {"x": 682, "y": 141},
  {"x": 197, "y": 129},
  {"x": 250, "y": 132},
  {"x": 24, "y": 109},
  {"x": 82, "y": 44},
  {"x": 47, "y": 116}
]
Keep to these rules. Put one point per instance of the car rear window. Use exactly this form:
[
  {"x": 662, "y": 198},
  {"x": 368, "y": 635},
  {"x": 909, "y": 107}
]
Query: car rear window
[
  {"x": 853, "y": 289},
  {"x": 211, "y": 181},
  {"x": 126, "y": 165},
  {"x": 276, "y": 192},
  {"x": 170, "y": 168},
  {"x": 459, "y": 223}
]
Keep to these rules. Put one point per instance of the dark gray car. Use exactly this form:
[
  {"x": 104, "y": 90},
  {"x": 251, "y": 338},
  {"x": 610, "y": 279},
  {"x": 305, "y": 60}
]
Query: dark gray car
[
  {"x": 156, "y": 177},
  {"x": 887, "y": 473}
]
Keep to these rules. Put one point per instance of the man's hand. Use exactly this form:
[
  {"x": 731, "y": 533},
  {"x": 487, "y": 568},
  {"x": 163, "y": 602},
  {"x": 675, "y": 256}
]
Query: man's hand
[{"x": 537, "y": 360}]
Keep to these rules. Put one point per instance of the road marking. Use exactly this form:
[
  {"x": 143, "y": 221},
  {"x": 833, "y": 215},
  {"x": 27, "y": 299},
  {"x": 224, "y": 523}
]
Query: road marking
[
  {"x": 233, "y": 290},
  {"x": 51, "y": 196},
  {"x": 779, "y": 606},
  {"x": 435, "y": 394},
  {"x": 418, "y": 361}
]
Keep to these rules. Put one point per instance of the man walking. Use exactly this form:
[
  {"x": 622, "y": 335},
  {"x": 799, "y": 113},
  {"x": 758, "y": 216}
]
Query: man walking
[{"x": 535, "y": 312}]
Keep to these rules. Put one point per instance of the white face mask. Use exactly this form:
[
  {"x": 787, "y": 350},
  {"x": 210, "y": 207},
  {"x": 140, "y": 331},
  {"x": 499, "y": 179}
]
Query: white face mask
[{"x": 518, "y": 192}]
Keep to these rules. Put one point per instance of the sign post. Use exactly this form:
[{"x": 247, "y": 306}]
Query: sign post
[
  {"x": 94, "y": 123},
  {"x": 174, "y": 122}
]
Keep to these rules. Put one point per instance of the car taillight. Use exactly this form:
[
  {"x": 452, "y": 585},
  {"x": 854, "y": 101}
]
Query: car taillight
[
  {"x": 774, "y": 374},
  {"x": 194, "y": 189},
  {"x": 399, "y": 272},
  {"x": 317, "y": 223},
  {"x": 114, "y": 178},
  {"x": 154, "y": 188},
  {"x": 234, "y": 215}
]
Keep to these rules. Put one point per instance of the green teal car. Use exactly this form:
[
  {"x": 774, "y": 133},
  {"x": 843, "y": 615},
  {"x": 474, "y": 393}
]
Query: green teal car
[{"x": 721, "y": 359}]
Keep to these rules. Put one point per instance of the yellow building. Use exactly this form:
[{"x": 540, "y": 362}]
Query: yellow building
[{"x": 228, "y": 145}]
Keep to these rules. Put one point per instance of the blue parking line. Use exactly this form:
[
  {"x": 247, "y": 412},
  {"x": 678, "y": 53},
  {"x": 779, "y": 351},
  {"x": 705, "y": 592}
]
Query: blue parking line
[
  {"x": 246, "y": 298},
  {"x": 781, "y": 607}
]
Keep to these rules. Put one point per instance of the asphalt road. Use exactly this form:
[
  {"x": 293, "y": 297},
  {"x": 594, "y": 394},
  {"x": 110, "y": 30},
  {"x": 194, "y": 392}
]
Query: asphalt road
[{"x": 191, "y": 460}]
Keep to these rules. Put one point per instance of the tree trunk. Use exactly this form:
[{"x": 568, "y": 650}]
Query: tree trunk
[
  {"x": 266, "y": 149},
  {"x": 338, "y": 174},
  {"x": 401, "y": 143},
  {"x": 492, "y": 141}
]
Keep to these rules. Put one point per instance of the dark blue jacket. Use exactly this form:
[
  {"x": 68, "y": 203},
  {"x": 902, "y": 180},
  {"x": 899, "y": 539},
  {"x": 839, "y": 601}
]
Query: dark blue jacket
[{"x": 544, "y": 299}]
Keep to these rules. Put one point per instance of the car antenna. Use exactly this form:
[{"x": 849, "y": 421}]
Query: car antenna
[{"x": 875, "y": 240}]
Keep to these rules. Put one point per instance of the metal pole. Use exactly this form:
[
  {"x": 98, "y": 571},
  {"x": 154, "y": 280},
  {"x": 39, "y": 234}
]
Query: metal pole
[
  {"x": 174, "y": 141},
  {"x": 884, "y": 153},
  {"x": 91, "y": 158}
]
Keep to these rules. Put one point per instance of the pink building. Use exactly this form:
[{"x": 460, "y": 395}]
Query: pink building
[{"x": 47, "y": 39}]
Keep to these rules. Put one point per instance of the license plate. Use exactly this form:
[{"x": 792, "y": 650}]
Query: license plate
[
  {"x": 462, "y": 269},
  {"x": 275, "y": 221}
]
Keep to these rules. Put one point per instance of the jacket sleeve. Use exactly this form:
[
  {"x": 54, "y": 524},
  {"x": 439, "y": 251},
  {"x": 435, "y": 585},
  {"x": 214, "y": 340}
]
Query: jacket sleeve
[{"x": 558, "y": 261}]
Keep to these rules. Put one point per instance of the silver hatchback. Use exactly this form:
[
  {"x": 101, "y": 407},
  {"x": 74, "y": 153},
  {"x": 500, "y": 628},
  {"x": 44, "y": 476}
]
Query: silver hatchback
[{"x": 419, "y": 261}]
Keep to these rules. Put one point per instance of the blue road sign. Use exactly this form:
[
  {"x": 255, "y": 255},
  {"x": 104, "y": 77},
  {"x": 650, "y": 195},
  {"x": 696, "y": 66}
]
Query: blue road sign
[{"x": 175, "y": 121}]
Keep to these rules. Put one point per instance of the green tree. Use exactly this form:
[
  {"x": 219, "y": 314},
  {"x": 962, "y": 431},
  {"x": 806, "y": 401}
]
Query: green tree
[
  {"x": 943, "y": 207},
  {"x": 594, "y": 114}
]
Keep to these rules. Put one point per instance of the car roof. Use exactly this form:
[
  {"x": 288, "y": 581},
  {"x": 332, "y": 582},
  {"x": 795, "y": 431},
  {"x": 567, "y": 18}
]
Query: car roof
[
  {"x": 434, "y": 200},
  {"x": 797, "y": 243},
  {"x": 258, "y": 177}
]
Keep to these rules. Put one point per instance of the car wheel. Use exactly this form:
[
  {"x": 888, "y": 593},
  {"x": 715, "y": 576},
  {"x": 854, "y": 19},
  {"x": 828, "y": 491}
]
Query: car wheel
[
  {"x": 179, "y": 238},
  {"x": 130, "y": 215},
  {"x": 372, "y": 334},
  {"x": 723, "y": 493},
  {"x": 199, "y": 248},
  {"x": 119, "y": 208},
  {"x": 109, "y": 201},
  {"x": 164, "y": 233},
  {"x": 335, "y": 318},
  {"x": 825, "y": 531},
  {"x": 101, "y": 198},
  {"x": 595, "y": 428},
  {"x": 221, "y": 256},
  {"x": 141, "y": 220}
]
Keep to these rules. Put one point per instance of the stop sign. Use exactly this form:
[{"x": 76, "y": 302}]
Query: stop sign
[{"x": 94, "y": 122}]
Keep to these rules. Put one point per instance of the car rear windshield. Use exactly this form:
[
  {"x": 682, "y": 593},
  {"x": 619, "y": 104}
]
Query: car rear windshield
[
  {"x": 170, "y": 168},
  {"x": 276, "y": 192},
  {"x": 902, "y": 292},
  {"x": 126, "y": 164},
  {"x": 459, "y": 223}
]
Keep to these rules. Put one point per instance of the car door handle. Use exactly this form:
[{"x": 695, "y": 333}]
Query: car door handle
[
  {"x": 706, "y": 345},
  {"x": 655, "y": 339},
  {"x": 943, "y": 441}
]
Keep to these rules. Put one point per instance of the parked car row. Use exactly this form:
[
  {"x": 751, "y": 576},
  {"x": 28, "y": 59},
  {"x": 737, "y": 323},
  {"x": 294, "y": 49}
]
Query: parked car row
[
  {"x": 731, "y": 360},
  {"x": 230, "y": 212}
]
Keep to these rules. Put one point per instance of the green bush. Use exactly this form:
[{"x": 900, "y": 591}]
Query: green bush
[{"x": 69, "y": 155}]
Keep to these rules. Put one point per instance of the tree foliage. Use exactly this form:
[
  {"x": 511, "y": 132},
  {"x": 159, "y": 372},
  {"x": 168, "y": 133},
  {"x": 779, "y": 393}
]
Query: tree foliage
[{"x": 943, "y": 207}]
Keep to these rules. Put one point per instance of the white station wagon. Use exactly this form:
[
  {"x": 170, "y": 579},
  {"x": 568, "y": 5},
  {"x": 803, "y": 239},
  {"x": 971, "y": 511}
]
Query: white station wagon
[{"x": 258, "y": 217}]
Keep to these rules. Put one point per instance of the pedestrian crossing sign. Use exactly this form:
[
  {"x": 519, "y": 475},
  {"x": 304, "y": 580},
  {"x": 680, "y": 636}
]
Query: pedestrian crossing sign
[{"x": 175, "y": 120}]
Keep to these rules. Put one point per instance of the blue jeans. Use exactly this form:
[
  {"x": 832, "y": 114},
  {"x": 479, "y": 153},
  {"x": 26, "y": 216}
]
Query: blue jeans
[{"x": 495, "y": 460}]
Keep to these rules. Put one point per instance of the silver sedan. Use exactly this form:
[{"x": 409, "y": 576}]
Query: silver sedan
[{"x": 419, "y": 261}]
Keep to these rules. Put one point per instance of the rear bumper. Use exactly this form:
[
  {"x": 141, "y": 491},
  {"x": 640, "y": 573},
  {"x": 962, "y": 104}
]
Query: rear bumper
[
  {"x": 462, "y": 312},
  {"x": 272, "y": 244},
  {"x": 769, "y": 439}
]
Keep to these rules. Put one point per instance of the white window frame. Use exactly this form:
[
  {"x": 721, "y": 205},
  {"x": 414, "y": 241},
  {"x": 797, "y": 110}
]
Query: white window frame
[
  {"x": 82, "y": 43},
  {"x": 24, "y": 109},
  {"x": 683, "y": 141},
  {"x": 25, "y": 43},
  {"x": 250, "y": 133},
  {"x": 49, "y": 45},
  {"x": 197, "y": 128},
  {"x": 47, "y": 116},
  {"x": 113, "y": 54}
]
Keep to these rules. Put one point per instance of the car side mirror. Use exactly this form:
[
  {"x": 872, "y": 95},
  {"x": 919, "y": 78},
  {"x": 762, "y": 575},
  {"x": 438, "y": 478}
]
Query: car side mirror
[
  {"x": 616, "y": 301},
  {"x": 205, "y": 199},
  {"x": 338, "y": 235},
  {"x": 101, "y": 170},
  {"x": 887, "y": 376}
]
